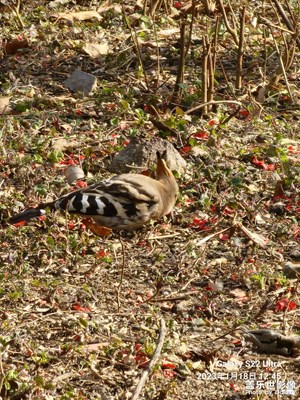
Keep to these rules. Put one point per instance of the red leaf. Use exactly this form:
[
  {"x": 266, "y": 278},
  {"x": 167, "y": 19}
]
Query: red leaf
[
  {"x": 142, "y": 361},
  {"x": 72, "y": 159},
  {"x": 169, "y": 373},
  {"x": 293, "y": 150},
  {"x": 285, "y": 304},
  {"x": 263, "y": 165},
  {"x": 257, "y": 162},
  {"x": 214, "y": 209},
  {"x": 223, "y": 236},
  {"x": 177, "y": 4},
  {"x": 228, "y": 211},
  {"x": 81, "y": 184},
  {"x": 168, "y": 365},
  {"x": 201, "y": 224},
  {"x": 19, "y": 224},
  {"x": 201, "y": 135},
  {"x": 137, "y": 346},
  {"x": 271, "y": 167},
  {"x": 296, "y": 233},
  {"x": 213, "y": 122},
  {"x": 77, "y": 307},
  {"x": 68, "y": 162},
  {"x": 243, "y": 114},
  {"x": 186, "y": 149},
  {"x": 102, "y": 253}
]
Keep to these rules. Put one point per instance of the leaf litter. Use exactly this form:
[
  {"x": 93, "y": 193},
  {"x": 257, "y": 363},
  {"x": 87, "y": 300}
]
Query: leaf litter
[{"x": 62, "y": 334}]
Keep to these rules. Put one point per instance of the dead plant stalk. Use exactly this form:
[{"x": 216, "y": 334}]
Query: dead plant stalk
[
  {"x": 180, "y": 72},
  {"x": 232, "y": 31},
  {"x": 239, "y": 66}
]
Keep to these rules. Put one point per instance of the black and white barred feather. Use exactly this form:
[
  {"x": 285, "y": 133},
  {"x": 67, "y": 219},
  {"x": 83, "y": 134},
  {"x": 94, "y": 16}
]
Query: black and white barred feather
[{"x": 123, "y": 202}]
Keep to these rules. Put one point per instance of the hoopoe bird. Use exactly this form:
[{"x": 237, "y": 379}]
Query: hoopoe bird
[{"x": 125, "y": 201}]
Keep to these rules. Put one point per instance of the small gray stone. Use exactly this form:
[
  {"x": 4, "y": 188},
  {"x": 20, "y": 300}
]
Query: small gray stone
[
  {"x": 81, "y": 81},
  {"x": 197, "y": 151},
  {"x": 141, "y": 153}
]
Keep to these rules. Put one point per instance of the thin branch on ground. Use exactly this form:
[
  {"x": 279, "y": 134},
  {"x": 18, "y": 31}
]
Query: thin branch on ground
[
  {"x": 122, "y": 272},
  {"x": 2, "y": 374},
  {"x": 213, "y": 102},
  {"x": 153, "y": 361}
]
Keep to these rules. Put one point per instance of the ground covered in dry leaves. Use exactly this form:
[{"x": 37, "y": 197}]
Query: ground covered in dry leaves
[{"x": 70, "y": 328}]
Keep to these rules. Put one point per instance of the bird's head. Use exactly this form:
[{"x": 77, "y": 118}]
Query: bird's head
[{"x": 166, "y": 177}]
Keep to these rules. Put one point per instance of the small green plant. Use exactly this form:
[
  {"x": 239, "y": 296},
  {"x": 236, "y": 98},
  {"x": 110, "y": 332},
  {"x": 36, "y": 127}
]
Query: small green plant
[
  {"x": 41, "y": 359},
  {"x": 55, "y": 156},
  {"x": 259, "y": 279}
]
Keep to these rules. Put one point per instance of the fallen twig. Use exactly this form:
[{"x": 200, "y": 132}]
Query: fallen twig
[
  {"x": 182, "y": 296},
  {"x": 191, "y": 110},
  {"x": 122, "y": 272},
  {"x": 153, "y": 361},
  {"x": 164, "y": 236},
  {"x": 2, "y": 374}
]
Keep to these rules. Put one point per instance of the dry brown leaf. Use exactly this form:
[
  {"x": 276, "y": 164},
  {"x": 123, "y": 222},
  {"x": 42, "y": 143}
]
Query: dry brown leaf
[
  {"x": 12, "y": 46},
  {"x": 261, "y": 94},
  {"x": 106, "y": 6},
  {"x": 95, "y": 346},
  {"x": 62, "y": 144},
  {"x": 255, "y": 237},
  {"x": 85, "y": 15},
  {"x": 95, "y": 49},
  {"x": 4, "y": 105},
  {"x": 215, "y": 286},
  {"x": 239, "y": 293},
  {"x": 166, "y": 33},
  {"x": 95, "y": 228},
  {"x": 100, "y": 230},
  {"x": 64, "y": 98},
  {"x": 78, "y": 16},
  {"x": 153, "y": 44}
]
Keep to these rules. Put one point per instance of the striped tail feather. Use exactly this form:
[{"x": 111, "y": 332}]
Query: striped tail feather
[{"x": 26, "y": 215}]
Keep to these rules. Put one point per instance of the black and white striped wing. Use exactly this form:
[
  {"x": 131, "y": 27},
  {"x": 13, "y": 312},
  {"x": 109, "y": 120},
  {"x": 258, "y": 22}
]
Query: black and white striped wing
[{"x": 120, "y": 202}]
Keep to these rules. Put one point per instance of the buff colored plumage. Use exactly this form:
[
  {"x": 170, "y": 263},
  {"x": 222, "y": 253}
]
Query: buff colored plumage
[{"x": 125, "y": 201}]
